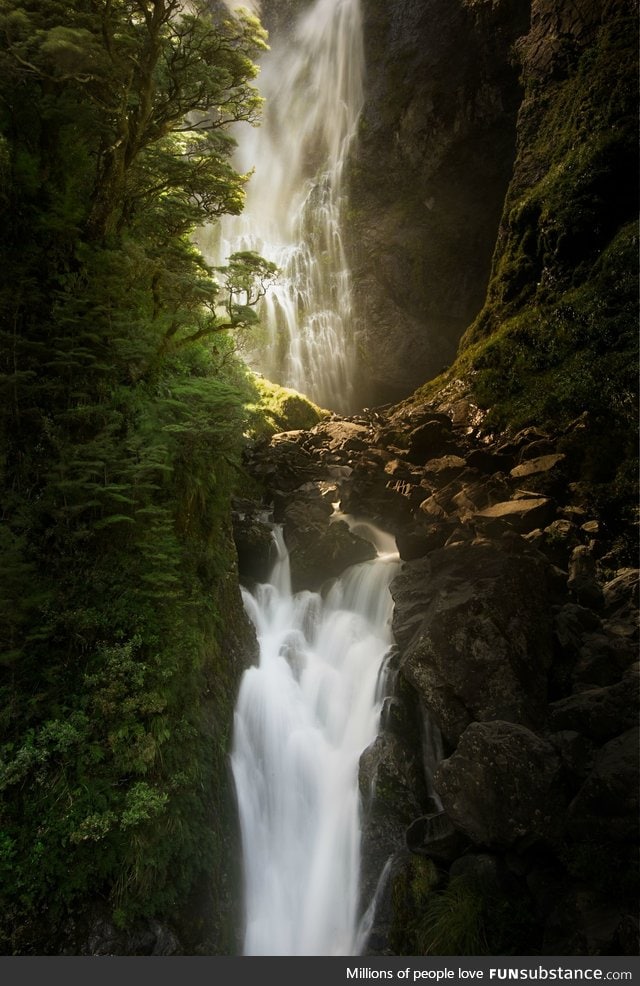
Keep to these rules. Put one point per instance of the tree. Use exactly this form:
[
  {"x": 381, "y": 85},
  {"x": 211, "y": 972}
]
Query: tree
[{"x": 119, "y": 441}]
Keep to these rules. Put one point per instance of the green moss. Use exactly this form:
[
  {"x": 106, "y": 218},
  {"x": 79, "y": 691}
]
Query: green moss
[{"x": 272, "y": 408}]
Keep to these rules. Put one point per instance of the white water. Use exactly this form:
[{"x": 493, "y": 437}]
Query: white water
[
  {"x": 312, "y": 82},
  {"x": 303, "y": 718}
]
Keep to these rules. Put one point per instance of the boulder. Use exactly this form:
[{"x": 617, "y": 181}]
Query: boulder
[
  {"x": 429, "y": 440},
  {"x": 319, "y": 548},
  {"x": 522, "y": 515},
  {"x": 599, "y": 713},
  {"x": 339, "y": 435},
  {"x": 434, "y": 836},
  {"x": 544, "y": 475},
  {"x": 488, "y": 461},
  {"x": 472, "y": 621},
  {"x": 582, "y": 582},
  {"x": 503, "y": 786},
  {"x": 606, "y": 807},
  {"x": 444, "y": 468},
  {"x": 254, "y": 543}
]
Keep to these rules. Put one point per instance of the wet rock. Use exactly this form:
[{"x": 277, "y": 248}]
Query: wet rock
[
  {"x": 318, "y": 556},
  {"x": 622, "y": 592},
  {"x": 602, "y": 659},
  {"x": 502, "y": 786},
  {"x": 415, "y": 542},
  {"x": 473, "y": 624},
  {"x": 480, "y": 869},
  {"x": 558, "y": 541},
  {"x": 254, "y": 543},
  {"x": 339, "y": 435}
]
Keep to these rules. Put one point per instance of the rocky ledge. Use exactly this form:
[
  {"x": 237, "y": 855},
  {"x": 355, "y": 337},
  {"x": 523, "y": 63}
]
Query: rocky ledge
[{"x": 506, "y": 771}]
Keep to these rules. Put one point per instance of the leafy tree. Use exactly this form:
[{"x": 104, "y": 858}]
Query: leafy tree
[{"x": 120, "y": 428}]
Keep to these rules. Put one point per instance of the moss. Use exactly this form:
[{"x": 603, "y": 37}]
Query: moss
[
  {"x": 411, "y": 889},
  {"x": 272, "y": 408},
  {"x": 574, "y": 183}
]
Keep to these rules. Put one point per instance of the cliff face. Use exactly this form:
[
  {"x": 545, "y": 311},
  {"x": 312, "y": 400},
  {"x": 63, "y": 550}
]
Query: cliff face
[
  {"x": 431, "y": 170},
  {"x": 557, "y": 334}
]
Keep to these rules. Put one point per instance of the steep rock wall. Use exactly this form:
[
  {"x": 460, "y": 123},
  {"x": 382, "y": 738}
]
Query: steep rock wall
[{"x": 429, "y": 176}]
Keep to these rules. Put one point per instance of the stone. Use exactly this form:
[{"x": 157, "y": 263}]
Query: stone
[
  {"x": 599, "y": 713},
  {"x": 444, "y": 468},
  {"x": 622, "y": 592},
  {"x": 576, "y": 751},
  {"x": 582, "y": 582},
  {"x": 558, "y": 541},
  {"x": 502, "y": 786},
  {"x": 535, "y": 467},
  {"x": 523, "y": 515},
  {"x": 606, "y": 807},
  {"x": 473, "y": 627},
  {"x": 319, "y": 548},
  {"x": 434, "y": 836},
  {"x": 490, "y": 462},
  {"x": 253, "y": 538},
  {"x": 339, "y": 434},
  {"x": 415, "y": 542},
  {"x": 429, "y": 439}
]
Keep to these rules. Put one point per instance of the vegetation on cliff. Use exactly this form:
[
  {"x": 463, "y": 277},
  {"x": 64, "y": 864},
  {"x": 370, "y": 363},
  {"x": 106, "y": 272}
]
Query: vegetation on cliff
[
  {"x": 557, "y": 336},
  {"x": 121, "y": 422}
]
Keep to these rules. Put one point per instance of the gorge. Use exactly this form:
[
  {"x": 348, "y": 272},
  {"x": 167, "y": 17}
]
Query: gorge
[{"x": 435, "y": 688}]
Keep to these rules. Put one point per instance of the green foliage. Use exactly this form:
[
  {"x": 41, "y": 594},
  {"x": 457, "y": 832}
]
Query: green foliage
[
  {"x": 272, "y": 409},
  {"x": 121, "y": 421},
  {"x": 453, "y": 922},
  {"x": 465, "y": 917}
]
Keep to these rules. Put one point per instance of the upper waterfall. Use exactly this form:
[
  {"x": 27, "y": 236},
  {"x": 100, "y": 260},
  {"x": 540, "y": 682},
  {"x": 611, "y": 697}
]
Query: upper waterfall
[{"x": 312, "y": 82}]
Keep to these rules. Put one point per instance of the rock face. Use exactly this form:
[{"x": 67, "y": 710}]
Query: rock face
[
  {"x": 479, "y": 794},
  {"x": 482, "y": 645},
  {"x": 438, "y": 126}
]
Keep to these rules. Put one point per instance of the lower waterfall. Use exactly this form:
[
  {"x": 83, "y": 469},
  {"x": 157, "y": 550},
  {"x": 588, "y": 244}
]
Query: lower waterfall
[{"x": 304, "y": 716}]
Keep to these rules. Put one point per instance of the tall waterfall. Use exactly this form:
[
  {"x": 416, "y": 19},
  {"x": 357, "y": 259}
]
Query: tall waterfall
[
  {"x": 312, "y": 82},
  {"x": 303, "y": 718}
]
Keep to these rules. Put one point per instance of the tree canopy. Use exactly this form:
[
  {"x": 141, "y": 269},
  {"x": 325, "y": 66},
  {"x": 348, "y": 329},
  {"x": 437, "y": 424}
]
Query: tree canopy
[{"x": 120, "y": 430}]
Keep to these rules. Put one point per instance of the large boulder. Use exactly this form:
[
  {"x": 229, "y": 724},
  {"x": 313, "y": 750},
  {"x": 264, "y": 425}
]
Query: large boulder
[
  {"x": 472, "y": 621},
  {"x": 606, "y": 807},
  {"x": 502, "y": 786},
  {"x": 319, "y": 547}
]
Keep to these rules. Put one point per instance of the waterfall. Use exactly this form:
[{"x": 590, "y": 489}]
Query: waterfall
[
  {"x": 303, "y": 718},
  {"x": 312, "y": 82}
]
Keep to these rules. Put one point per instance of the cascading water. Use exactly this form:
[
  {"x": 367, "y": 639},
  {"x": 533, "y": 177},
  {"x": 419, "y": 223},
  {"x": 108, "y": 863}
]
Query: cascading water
[
  {"x": 312, "y": 82},
  {"x": 303, "y": 718}
]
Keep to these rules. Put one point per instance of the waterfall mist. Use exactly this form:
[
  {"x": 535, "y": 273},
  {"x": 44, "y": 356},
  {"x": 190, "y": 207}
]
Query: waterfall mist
[
  {"x": 303, "y": 718},
  {"x": 312, "y": 82}
]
